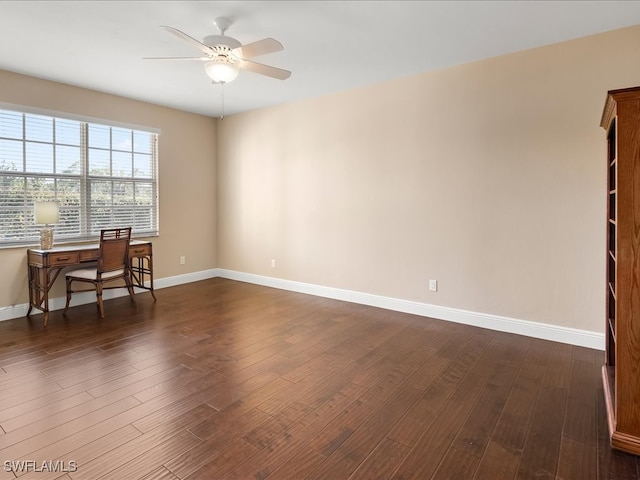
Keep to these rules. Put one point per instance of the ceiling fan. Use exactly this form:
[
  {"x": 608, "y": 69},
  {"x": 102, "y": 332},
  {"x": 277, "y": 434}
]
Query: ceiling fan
[{"x": 225, "y": 56}]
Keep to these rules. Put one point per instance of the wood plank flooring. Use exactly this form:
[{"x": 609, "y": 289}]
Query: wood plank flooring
[{"x": 225, "y": 380}]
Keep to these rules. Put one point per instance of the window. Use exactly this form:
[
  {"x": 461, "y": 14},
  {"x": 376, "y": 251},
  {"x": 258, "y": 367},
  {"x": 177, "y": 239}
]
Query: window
[{"x": 101, "y": 176}]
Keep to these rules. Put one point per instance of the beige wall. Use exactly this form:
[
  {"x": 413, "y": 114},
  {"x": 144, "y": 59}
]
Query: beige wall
[
  {"x": 489, "y": 177},
  {"x": 187, "y": 176}
]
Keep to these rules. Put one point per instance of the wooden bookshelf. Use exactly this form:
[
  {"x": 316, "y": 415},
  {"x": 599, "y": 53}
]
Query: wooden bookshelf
[{"x": 621, "y": 372}]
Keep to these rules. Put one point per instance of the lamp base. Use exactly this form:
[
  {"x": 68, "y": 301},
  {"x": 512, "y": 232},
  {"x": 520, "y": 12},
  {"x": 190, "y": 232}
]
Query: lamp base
[{"x": 46, "y": 238}]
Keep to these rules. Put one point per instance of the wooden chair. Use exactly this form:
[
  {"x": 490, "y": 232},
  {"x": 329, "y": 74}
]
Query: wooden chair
[{"x": 113, "y": 264}]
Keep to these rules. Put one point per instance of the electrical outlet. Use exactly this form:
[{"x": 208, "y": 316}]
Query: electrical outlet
[
  {"x": 433, "y": 285},
  {"x": 273, "y": 263},
  {"x": 183, "y": 260}
]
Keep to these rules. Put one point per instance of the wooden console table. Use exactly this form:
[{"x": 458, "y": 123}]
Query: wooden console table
[{"x": 45, "y": 266}]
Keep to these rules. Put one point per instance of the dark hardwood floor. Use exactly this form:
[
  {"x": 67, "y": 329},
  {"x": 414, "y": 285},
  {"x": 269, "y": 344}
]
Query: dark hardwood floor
[{"x": 227, "y": 380}]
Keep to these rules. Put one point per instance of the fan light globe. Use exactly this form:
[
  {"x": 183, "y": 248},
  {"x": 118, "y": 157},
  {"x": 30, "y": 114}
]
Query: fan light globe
[{"x": 221, "y": 72}]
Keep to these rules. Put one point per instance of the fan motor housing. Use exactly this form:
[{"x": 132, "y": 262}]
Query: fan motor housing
[{"x": 213, "y": 40}]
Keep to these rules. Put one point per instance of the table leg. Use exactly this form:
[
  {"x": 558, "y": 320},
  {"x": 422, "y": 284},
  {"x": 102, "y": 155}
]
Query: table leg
[{"x": 40, "y": 282}]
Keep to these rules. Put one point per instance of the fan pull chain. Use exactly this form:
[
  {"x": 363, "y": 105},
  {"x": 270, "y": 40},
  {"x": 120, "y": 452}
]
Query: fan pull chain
[{"x": 222, "y": 100}]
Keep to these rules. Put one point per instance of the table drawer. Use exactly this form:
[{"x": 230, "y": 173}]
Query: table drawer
[
  {"x": 89, "y": 255},
  {"x": 139, "y": 250},
  {"x": 61, "y": 259}
]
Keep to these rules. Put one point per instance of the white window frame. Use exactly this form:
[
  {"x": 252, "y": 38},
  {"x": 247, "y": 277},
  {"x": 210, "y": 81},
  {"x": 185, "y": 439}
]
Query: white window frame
[{"x": 24, "y": 232}]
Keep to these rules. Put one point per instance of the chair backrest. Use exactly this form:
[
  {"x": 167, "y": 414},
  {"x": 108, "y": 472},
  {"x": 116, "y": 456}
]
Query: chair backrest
[{"x": 114, "y": 249}]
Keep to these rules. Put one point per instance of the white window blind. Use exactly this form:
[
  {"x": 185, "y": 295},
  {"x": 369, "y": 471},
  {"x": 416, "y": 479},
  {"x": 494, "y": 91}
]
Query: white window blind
[{"x": 101, "y": 176}]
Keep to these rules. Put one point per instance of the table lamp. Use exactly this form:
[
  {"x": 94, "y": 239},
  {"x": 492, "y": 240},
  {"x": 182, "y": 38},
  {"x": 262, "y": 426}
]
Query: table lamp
[{"x": 46, "y": 213}]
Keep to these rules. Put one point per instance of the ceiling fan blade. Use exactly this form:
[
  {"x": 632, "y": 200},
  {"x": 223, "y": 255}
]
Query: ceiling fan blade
[
  {"x": 267, "y": 70},
  {"x": 261, "y": 47},
  {"x": 202, "y": 59},
  {"x": 187, "y": 38}
]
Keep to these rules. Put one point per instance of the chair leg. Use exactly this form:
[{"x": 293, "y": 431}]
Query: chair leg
[
  {"x": 99, "y": 298},
  {"x": 69, "y": 292},
  {"x": 127, "y": 280}
]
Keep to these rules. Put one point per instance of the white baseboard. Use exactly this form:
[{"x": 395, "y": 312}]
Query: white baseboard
[{"x": 571, "y": 336}]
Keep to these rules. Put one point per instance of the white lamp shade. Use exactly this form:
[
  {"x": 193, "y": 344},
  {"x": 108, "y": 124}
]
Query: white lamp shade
[
  {"x": 46, "y": 213},
  {"x": 221, "y": 72}
]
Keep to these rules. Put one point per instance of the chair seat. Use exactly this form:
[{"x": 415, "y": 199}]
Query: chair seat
[{"x": 92, "y": 273}]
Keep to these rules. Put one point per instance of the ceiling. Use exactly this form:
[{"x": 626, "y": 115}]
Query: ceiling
[{"x": 329, "y": 46}]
